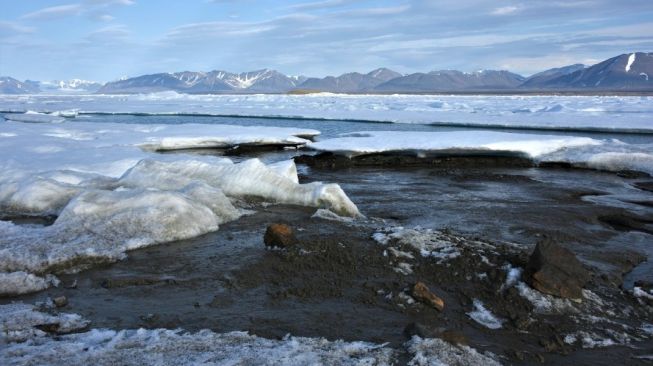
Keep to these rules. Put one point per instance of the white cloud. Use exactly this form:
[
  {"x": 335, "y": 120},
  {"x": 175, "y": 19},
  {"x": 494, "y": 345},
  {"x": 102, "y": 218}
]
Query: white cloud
[
  {"x": 9, "y": 29},
  {"x": 54, "y": 12},
  {"x": 76, "y": 9},
  {"x": 324, "y": 4},
  {"x": 506, "y": 10}
]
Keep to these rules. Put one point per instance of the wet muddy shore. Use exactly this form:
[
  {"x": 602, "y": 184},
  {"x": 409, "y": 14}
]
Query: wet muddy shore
[{"x": 341, "y": 282}]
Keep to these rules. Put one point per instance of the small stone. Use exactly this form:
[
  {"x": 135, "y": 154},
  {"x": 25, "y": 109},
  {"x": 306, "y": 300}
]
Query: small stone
[
  {"x": 556, "y": 271},
  {"x": 60, "y": 301},
  {"x": 279, "y": 235},
  {"x": 422, "y": 293}
]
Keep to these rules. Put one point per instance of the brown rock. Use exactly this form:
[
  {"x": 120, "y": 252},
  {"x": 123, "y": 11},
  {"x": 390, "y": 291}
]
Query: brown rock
[
  {"x": 279, "y": 235},
  {"x": 422, "y": 293},
  {"x": 555, "y": 270}
]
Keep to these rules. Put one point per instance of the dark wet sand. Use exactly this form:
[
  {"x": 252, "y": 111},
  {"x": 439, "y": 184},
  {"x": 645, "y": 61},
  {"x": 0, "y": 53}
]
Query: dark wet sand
[{"x": 333, "y": 283}]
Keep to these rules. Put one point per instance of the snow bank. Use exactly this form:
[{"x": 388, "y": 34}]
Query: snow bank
[
  {"x": 609, "y": 113},
  {"x": 111, "y": 194},
  {"x": 609, "y": 154}
]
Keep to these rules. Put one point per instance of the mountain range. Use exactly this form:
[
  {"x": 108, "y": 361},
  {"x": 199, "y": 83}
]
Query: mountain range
[{"x": 626, "y": 72}]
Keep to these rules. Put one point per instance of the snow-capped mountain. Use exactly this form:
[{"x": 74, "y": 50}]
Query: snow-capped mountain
[
  {"x": 452, "y": 80},
  {"x": 632, "y": 71},
  {"x": 69, "y": 86},
  {"x": 9, "y": 85},
  {"x": 260, "y": 81},
  {"x": 627, "y": 72}
]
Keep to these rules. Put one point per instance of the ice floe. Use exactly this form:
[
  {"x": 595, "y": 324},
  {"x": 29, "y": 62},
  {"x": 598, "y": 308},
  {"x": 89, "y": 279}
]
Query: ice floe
[{"x": 608, "y": 113}]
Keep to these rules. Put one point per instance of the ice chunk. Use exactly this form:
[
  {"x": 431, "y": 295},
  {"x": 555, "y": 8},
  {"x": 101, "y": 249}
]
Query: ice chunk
[
  {"x": 249, "y": 178},
  {"x": 484, "y": 317},
  {"x": 325, "y": 214},
  {"x": 102, "y": 225},
  {"x": 18, "y": 283},
  {"x": 19, "y": 322}
]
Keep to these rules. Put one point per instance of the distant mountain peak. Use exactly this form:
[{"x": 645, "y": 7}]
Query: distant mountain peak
[{"x": 630, "y": 71}]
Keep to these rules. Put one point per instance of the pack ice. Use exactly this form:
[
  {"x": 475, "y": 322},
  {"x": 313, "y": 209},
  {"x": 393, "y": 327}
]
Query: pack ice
[
  {"x": 604, "y": 113},
  {"x": 111, "y": 193}
]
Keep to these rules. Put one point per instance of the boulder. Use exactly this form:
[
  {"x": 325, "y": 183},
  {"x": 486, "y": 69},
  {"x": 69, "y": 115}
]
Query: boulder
[
  {"x": 556, "y": 271},
  {"x": 280, "y": 236},
  {"x": 422, "y": 293}
]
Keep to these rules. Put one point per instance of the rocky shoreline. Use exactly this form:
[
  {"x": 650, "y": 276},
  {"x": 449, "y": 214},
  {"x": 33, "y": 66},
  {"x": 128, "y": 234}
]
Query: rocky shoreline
[{"x": 380, "y": 281}]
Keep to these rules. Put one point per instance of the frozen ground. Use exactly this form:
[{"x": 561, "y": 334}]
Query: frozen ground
[{"x": 608, "y": 113}]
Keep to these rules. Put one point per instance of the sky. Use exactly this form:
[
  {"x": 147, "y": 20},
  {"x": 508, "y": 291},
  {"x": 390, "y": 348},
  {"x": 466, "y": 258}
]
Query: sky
[{"x": 104, "y": 40}]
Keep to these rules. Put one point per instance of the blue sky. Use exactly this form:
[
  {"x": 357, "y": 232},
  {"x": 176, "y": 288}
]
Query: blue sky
[{"x": 107, "y": 39}]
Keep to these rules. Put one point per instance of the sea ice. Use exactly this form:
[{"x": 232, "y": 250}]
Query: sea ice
[{"x": 607, "y": 113}]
